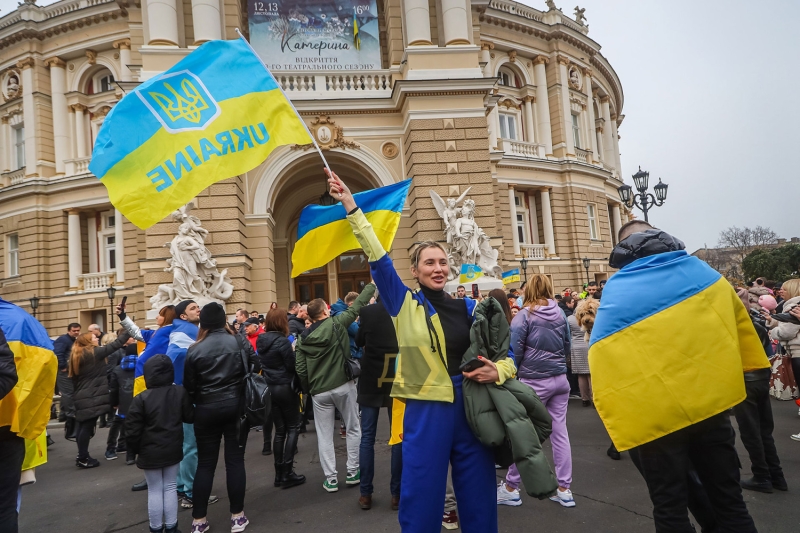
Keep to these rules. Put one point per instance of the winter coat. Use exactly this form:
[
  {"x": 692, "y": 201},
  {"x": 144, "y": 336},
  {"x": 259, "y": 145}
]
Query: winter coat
[
  {"x": 379, "y": 341},
  {"x": 214, "y": 368},
  {"x": 277, "y": 358},
  {"x": 511, "y": 412},
  {"x": 322, "y": 349},
  {"x": 154, "y": 425},
  {"x": 120, "y": 384},
  {"x": 352, "y": 329},
  {"x": 296, "y": 325},
  {"x": 62, "y": 347},
  {"x": 752, "y": 295},
  {"x": 91, "y": 383},
  {"x": 540, "y": 339},
  {"x": 643, "y": 244},
  {"x": 788, "y": 333}
]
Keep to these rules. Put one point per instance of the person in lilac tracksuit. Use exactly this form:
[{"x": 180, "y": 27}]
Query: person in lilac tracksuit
[{"x": 540, "y": 340}]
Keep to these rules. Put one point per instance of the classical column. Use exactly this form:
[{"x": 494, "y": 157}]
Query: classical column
[
  {"x": 456, "y": 20},
  {"x": 28, "y": 113},
  {"x": 162, "y": 21},
  {"x": 608, "y": 143},
  {"x": 486, "y": 59},
  {"x": 494, "y": 124},
  {"x": 543, "y": 133},
  {"x": 5, "y": 164},
  {"x": 547, "y": 222},
  {"x": 616, "y": 223},
  {"x": 534, "y": 218},
  {"x": 58, "y": 86},
  {"x": 119, "y": 243},
  {"x": 74, "y": 247},
  {"x": 417, "y": 22},
  {"x": 512, "y": 204},
  {"x": 206, "y": 21},
  {"x": 91, "y": 237},
  {"x": 124, "y": 46},
  {"x": 590, "y": 131},
  {"x": 527, "y": 104},
  {"x": 615, "y": 139},
  {"x": 80, "y": 130},
  {"x": 566, "y": 114}
]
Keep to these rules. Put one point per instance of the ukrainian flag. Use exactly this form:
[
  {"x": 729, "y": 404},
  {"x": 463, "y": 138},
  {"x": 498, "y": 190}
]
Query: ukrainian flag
[
  {"x": 669, "y": 347},
  {"x": 470, "y": 273},
  {"x": 27, "y": 407},
  {"x": 214, "y": 115},
  {"x": 325, "y": 233},
  {"x": 511, "y": 276}
]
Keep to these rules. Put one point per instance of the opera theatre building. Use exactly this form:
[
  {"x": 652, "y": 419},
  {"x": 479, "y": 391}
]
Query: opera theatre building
[{"x": 514, "y": 103}]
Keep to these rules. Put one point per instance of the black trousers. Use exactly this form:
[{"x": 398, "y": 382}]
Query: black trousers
[
  {"x": 267, "y": 427},
  {"x": 708, "y": 448},
  {"x": 85, "y": 432},
  {"x": 212, "y": 423},
  {"x": 754, "y": 416},
  {"x": 12, "y": 453},
  {"x": 116, "y": 435},
  {"x": 286, "y": 414}
]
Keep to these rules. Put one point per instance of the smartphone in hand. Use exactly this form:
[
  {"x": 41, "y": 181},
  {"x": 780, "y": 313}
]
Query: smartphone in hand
[{"x": 472, "y": 364}]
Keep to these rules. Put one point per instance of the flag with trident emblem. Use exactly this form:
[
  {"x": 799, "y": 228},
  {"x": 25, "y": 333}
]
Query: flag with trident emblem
[{"x": 216, "y": 114}]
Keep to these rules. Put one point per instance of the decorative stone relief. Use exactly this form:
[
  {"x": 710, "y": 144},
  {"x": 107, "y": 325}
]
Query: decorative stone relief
[
  {"x": 389, "y": 150},
  {"x": 327, "y": 134},
  {"x": 575, "y": 80},
  {"x": 11, "y": 85}
]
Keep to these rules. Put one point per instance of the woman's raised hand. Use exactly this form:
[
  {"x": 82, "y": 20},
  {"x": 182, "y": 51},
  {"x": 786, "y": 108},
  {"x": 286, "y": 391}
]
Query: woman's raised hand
[{"x": 340, "y": 191}]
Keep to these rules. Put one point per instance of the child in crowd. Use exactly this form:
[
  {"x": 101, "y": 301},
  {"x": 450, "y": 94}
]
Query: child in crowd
[
  {"x": 120, "y": 393},
  {"x": 155, "y": 434}
]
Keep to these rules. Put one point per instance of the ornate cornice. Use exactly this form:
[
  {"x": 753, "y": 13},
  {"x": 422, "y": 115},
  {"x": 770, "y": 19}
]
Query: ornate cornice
[
  {"x": 122, "y": 44},
  {"x": 29, "y": 34},
  {"x": 55, "y": 62},
  {"x": 28, "y": 62}
]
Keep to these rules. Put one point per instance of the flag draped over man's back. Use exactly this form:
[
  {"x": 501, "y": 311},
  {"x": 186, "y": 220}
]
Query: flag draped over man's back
[
  {"x": 324, "y": 232},
  {"x": 214, "y": 115}
]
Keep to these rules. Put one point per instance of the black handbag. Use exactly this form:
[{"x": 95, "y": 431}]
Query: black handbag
[{"x": 257, "y": 401}]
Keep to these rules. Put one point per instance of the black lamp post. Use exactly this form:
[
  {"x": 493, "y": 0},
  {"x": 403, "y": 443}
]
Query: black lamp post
[
  {"x": 643, "y": 199},
  {"x": 111, "y": 293},
  {"x": 524, "y": 264},
  {"x": 34, "y": 304},
  {"x": 586, "y": 263}
]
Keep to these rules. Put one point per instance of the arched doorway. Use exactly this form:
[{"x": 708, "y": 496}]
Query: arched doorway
[{"x": 301, "y": 182}]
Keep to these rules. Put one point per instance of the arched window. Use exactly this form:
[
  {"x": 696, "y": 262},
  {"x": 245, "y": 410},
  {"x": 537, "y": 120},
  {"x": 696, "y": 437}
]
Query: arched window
[
  {"x": 508, "y": 77},
  {"x": 100, "y": 82}
]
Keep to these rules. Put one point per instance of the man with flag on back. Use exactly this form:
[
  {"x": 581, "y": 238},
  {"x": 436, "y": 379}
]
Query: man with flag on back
[{"x": 668, "y": 350}]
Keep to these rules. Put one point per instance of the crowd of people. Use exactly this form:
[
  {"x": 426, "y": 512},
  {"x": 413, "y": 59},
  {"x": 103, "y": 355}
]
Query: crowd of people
[{"x": 441, "y": 365}]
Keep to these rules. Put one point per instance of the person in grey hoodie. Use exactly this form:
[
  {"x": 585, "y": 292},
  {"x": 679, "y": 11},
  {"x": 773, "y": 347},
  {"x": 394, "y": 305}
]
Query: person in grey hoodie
[{"x": 540, "y": 339}]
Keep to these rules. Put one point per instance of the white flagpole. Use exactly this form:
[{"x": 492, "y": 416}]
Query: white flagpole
[{"x": 313, "y": 140}]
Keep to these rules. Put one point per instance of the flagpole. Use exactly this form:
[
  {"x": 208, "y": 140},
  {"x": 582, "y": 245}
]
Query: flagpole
[{"x": 313, "y": 140}]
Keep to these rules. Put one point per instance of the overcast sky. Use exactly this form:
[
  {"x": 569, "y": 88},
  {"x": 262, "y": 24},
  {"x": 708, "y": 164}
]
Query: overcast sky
[{"x": 711, "y": 107}]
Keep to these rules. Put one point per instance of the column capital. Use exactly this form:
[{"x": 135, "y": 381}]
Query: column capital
[
  {"x": 587, "y": 72},
  {"x": 613, "y": 117},
  {"x": 55, "y": 62},
  {"x": 487, "y": 46},
  {"x": 28, "y": 62},
  {"x": 541, "y": 59},
  {"x": 528, "y": 99},
  {"x": 604, "y": 99},
  {"x": 73, "y": 211},
  {"x": 4, "y": 119},
  {"x": 78, "y": 107},
  {"x": 122, "y": 44},
  {"x": 563, "y": 60}
]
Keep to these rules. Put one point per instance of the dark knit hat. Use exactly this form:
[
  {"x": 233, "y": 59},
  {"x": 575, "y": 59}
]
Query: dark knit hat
[
  {"x": 252, "y": 320},
  {"x": 181, "y": 307},
  {"x": 212, "y": 316}
]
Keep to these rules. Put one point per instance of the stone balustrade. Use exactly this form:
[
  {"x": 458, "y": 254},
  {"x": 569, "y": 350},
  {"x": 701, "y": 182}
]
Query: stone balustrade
[
  {"x": 524, "y": 149},
  {"x": 96, "y": 281},
  {"x": 582, "y": 155},
  {"x": 374, "y": 84},
  {"x": 533, "y": 251}
]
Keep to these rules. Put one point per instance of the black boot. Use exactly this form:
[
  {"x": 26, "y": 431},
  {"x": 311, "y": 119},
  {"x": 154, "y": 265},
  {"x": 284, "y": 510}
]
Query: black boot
[
  {"x": 267, "y": 449},
  {"x": 613, "y": 453},
  {"x": 173, "y": 529},
  {"x": 279, "y": 474},
  {"x": 290, "y": 477}
]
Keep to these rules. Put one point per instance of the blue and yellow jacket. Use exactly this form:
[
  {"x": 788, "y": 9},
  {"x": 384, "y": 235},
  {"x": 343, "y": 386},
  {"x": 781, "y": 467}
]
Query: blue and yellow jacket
[{"x": 421, "y": 365}]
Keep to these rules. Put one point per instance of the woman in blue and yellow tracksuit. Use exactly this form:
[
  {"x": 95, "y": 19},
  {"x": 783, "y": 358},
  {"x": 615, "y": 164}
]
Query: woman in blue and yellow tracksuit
[{"x": 433, "y": 334}]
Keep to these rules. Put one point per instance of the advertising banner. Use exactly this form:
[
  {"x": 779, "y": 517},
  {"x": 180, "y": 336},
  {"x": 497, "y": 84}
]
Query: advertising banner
[{"x": 311, "y": 35}]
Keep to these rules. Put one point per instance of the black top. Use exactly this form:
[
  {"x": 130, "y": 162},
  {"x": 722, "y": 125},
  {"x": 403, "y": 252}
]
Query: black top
[
  {"x": 455, "y": 322},
  {"x": 376, "y": 334},
  {"x": 277, "y": 358}
]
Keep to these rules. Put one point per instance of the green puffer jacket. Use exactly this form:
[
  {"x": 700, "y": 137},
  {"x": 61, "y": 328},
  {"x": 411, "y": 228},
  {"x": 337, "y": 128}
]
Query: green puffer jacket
[{"x": 509, "y": 411}]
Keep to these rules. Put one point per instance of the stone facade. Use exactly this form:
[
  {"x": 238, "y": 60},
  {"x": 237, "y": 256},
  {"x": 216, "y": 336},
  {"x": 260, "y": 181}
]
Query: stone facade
[{"x": 518, "y": 104}]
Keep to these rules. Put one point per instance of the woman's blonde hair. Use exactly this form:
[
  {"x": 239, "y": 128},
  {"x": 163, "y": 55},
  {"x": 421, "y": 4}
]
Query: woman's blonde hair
[
  {"x": 424, "y": 245},
  {"x": 538, "y": 290},
  {"x": 792, "y": 288},
  {"x": 82, "y": 347}
]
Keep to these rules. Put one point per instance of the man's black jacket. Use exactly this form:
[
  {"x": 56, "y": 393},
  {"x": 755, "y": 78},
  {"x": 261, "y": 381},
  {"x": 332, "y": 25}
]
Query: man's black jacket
[{"x": 377, "y": 336}]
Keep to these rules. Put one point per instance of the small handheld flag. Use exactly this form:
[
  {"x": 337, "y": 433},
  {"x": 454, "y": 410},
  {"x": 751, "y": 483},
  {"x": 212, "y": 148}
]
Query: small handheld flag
[
  {"x": 324, "y": 232},
  {"x": 470, "y": 273},
  {"x": 356, "y": 36},
  {"x": 511, "y": 276},
  {"x": 190, "y": 127}
]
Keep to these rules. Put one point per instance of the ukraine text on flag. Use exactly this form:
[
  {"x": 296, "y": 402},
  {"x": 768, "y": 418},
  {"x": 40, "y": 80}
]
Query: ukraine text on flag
[
  {"x": 674, "y": 357},
  {"x": 324, "y": 232},
  {"x": 214, "y": 115}
]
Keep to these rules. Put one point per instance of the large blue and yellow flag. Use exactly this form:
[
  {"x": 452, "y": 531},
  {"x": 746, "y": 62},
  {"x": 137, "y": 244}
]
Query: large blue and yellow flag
[
  {"x": 214, "y": 115},
  {"x": 325, "y": 233},
  {"x": 470, "y": 273},
  {"x": 669, "y": 347},
  {"x": 27, "y": 407}
]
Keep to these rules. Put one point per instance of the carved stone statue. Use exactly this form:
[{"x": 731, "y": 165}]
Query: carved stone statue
[
  {"x": 194, "y": 272},
  {"x": 12, "y": 88},
  {"x": 580, "y": 18},
  {"x": 551, "y": 5}
]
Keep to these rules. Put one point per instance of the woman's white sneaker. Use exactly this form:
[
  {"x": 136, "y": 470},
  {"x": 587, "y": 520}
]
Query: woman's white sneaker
[
  {"x": 508, "y": 497},
  {"x": 564, "y": 498}
]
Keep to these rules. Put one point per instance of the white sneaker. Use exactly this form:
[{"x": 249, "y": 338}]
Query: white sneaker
[
  {"x": 795, "y": 437},
  {"x": 564, "y": 498},
  {"x": 507, "y": 497}
]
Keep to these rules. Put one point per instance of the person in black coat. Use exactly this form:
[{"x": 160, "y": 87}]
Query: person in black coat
[
  {"x": 376, "y": 334},
  {"x": 62, "y": 347},
  {"x": 87, "y": 368},
  {"x": 278, "y": 367},
  {"x": 120, "y": 391},
  {"x": 154, "y": 428},
  {"x": 297, "y": 318}
]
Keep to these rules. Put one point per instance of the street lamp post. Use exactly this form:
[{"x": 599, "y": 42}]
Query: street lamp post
[
  {"x": 111, "y": 293},
  {"x": 524, "y": 264},
  {"x": 586, "y": 263},
  {"x": 34, "y": 304},
  {"x": 643, "y": 199}
]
